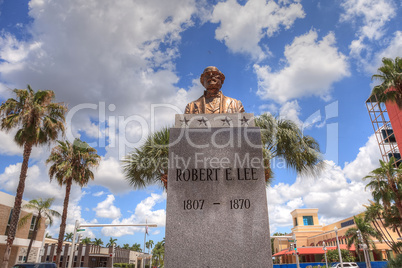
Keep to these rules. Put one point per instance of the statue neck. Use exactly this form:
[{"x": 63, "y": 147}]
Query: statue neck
[{"x": 209, "y": 94}]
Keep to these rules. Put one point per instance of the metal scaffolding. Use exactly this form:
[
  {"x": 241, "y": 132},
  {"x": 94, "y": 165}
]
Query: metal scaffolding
[{"x": 383, "y": 129}]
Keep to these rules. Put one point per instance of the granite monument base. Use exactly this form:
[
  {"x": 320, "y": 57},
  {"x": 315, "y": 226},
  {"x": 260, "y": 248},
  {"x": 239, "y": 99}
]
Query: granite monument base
[{"x": 217, "y": 213}]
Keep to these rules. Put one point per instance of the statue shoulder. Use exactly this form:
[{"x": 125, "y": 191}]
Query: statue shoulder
[
  {"x": 194, "y": 106},
  {"x": 232, "y": 105}
]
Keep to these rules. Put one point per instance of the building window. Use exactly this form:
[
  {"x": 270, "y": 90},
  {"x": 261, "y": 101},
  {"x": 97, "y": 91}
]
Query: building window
[
  {"x": 32, "y": 227},
  {"x": 308, "y": 220},
  {"x": 296, "y": 222},
  {"x": 347, "y": 223}
]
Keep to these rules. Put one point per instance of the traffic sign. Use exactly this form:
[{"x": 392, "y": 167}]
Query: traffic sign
[{"x": 80, "y": 230}]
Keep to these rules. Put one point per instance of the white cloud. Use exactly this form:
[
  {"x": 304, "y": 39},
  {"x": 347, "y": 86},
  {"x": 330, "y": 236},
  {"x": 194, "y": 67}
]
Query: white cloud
[
  {"x": 97, "y": 52},
  {"x": 367, "y": 160},
  {"x": 291, "y": 111},
  {"x": 143, "y": 212},
  {"x": 109, "y": 174},
  {"x": 393, "y": 50},
  {"x": 311, "y": 68},
  {"x": 243, "y": 26},
  {"x": 373, "y": 13},
  {"x": 106, "y": 209},
  {"x": 371, "y": 16},
  {"x": 8, "y": 145},
  {"x": 99, "y": 193},
  {"x": 337, "y": 193}
]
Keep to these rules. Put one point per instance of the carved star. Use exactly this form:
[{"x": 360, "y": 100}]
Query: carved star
[
  {"x": 203, "y": 121},
  {"x": 185, "y": 122},
  {"x": 244, "y": 121},
  {"x": 226, "y": 121}
]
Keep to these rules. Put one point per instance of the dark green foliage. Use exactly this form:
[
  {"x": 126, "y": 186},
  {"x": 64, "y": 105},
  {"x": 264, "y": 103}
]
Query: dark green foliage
[
  {"x": 390, "y": 74},
  {"x": 149, "y": 164},
  {"x": 284, "y": 139},
  {"x": 333, "y": 256},
  {"x": 396, "y": 262}
]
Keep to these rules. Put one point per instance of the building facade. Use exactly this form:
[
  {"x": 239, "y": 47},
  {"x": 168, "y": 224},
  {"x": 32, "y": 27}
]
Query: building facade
[
  {"x": 23, "y": 235},
  {"x": 310, "y": 235},
  {"x": 90, "y": 255}
]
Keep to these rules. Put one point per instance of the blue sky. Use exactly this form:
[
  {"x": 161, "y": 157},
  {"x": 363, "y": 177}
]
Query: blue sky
[{"x": 113, "y": 61}]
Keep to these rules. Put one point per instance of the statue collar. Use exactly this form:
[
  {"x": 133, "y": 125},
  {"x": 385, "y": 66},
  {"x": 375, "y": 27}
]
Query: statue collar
[{"x": 208, "y": 94}]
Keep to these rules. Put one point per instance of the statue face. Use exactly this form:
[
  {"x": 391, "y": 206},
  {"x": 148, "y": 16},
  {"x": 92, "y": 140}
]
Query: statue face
[{"x": 212, "y": 79}]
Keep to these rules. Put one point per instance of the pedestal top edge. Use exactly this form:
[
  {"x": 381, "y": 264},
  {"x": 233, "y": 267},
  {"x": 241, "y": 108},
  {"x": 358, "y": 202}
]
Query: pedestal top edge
[{"x": 214, "y": 120}]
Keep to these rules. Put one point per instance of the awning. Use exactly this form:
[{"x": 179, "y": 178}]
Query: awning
[{"x": 310, "y": 250}]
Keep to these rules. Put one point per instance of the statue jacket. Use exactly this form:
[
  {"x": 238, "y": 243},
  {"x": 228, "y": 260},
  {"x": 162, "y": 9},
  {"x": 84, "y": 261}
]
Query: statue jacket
[{"x": 227, "y": 105}]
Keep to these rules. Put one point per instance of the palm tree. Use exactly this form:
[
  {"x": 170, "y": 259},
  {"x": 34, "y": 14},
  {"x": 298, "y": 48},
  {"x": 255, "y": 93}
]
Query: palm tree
[
  {"x": 48, "y": 235},
  {"x": 158, "y": 252},
  {"x": 150, "y": 244},
  {"x": 148, "y": 165},
  {"x": 126, "y": 246},
  {"x": 386, "y": 182},
  {"x": 69, "y": 236},
  {"x": 283, "y": 138},
  {"x": 98, "y": 242},
  {"x": 86, "y": 241},
  {"x": 111, "y": 242},
  {"x": 366, "y": 230},
  {"x": 42, "y": 209},
  {"x": 39, "y": 121},
  {"x": 71, "y": 163},
  {"x": 374, "y": 214},
  {"x": 147, "y": 245},
  {"x": 396, "y": 262},
  {"x": 390, "y": 74},
  {"x": 136, "y": 247}
]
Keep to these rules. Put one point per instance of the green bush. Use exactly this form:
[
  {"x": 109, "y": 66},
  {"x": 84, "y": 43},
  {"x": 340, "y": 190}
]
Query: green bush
[{"x": 396, "y": 262}]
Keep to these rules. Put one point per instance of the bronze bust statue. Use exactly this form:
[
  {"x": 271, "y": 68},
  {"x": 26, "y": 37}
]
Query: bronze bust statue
[{"x": 213, "y": 101}]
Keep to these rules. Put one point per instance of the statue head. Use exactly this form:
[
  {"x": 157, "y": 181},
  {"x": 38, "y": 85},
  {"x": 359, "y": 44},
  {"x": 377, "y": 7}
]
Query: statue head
[{"x": 212, "y": 79}]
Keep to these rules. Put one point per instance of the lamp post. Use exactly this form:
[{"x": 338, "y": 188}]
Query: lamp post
[
  {"x": 364, "y": 247},
  {"x": 295, "y": 248},
  {"x": 325, "y": 252},
  {"x": 113, "y": 252},
  {"x": 339, "y": 248}
]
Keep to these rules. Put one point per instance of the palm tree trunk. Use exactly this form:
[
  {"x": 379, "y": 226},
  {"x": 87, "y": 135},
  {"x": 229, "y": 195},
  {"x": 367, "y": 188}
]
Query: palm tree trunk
[
  {"x": 397, "y": 231},
  {"x": 35, "y": 232},
  {"x": 381, "y": 230},
  {"x": 389, "y": 235},
  {"x": 164, "y": 179},
  {"x": 398, "y": 198},
  {"x": 63, "y": 222},
  {"x": 17, "y": 204}
]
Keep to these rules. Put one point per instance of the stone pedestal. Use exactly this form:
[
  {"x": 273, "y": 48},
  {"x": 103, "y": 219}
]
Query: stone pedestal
[{"x": 216, "y": 211}]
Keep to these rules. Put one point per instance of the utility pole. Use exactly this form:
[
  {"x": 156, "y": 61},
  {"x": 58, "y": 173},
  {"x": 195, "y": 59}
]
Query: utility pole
[
  {"x": 71, "y": 260},
  {"x": 364, "y": 247},
  {"x": 339, "y": 248}
]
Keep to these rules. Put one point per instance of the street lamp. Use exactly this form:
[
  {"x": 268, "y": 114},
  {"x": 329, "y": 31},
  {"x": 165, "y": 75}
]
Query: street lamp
[
  {"x": 364, "y": 247},
  {"x": 339, "y": 248},
  {"x": 325, "y": 252},
  {"x": 295, "y": 248}
]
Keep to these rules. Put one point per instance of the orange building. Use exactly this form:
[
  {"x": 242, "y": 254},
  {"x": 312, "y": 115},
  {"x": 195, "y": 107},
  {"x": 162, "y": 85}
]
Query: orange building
[{"x": 310, "y": 235}]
